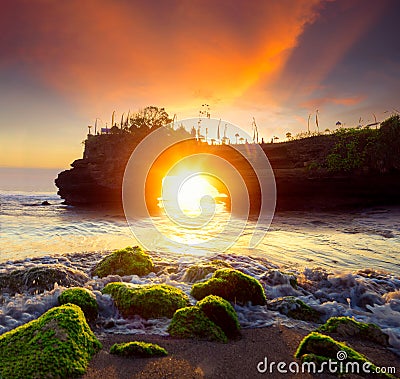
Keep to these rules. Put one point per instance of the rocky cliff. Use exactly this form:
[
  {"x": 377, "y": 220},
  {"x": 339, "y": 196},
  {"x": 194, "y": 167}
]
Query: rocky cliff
[{"x": 346, "y": 169}]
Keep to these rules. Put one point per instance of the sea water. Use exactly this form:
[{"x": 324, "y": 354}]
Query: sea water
[{"x": 329, "y": 253}]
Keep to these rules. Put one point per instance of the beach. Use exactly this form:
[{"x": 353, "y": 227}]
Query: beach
[{"x": 338, "y": 263}]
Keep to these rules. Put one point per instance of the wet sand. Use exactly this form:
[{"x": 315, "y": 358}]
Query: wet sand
[{"x": 202, "y": 359}]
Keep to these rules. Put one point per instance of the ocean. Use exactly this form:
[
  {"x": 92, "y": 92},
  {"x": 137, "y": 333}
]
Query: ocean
[{"x": 356, "y": 253}]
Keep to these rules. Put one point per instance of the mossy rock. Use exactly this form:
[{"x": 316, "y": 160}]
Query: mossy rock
[
  {"x": 221, "y": 312},
  {"x": 128, "y": 261},
  {"x": 148, "y": 301},
  {"x": 138, "y": 349},
  {"x": 231, "y": 285},
  {"x": 192, "y": 322},
  {"x": 319, "y": 348},
  {"x": 59, "y": 344},
  {"x": 41, "y": 278},
  {"x": 348, "y": 327},
  {"x": 83, "y": 298},
  {"x": 200, "y": 271},
  {"x": 294, "y": 308}
]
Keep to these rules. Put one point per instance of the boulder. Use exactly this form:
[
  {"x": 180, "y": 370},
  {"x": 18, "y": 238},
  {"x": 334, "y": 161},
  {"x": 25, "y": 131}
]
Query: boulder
[
  {"x": 83, "y": 298},
  {"x": 128, "y": 261},
  {"x": 294, "y": 308},
  {"x": 41, "y": 278},
  {"x": 192, "y": 322},
  {"x": 200, "y": 271},
  {"x": 231, "y": 285},
  {"x": 138, "y": 349},
  {"x": 59, "y": 344},
  {"x": 221, "y": 312},
  {"x": 348, "y": 327},
  {"x": 319, "y": 348},
  {"x": 147, "y": 301}
]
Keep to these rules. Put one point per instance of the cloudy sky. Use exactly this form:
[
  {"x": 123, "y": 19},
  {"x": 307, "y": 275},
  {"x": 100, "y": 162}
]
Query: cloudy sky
[{"x": 65, "y": 63}]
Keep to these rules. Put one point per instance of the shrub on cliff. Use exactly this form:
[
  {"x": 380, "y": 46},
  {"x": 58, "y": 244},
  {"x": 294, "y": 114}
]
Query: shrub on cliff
[
  {"x": 83, "y": 298},
  {"x": 231, "y": 285},
  {"x": 128, "y": 261},
  {"x": 138, "y": 349},
  {"x": 148, "y": 301},
  {"x": 59, "y": 344}
]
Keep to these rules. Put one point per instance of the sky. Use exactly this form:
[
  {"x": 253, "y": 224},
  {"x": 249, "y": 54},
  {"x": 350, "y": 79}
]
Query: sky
[{"x": 65, "y": 63}]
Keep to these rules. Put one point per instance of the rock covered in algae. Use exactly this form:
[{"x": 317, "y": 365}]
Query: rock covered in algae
[
  {"x": 83, "y": 298},
  {"x": 192, "y": 322},
  {"x": 348, "y": 327},
  {"x": 138, "y": 349},
  {"x": 221, "y": 312},
  {"x": 128, "y": 261},
  {"x": 294, "y": 308},
  {"x": 41, "y": 278},
  {"x": 231, "y": 285},
  {"x": 320, "y": 349},
  {"x": 148, "y": 301},
  {"x": 213, "y": 319},
  {"x": 59, "y": 344},
  {"x": 199, "y": 271}
]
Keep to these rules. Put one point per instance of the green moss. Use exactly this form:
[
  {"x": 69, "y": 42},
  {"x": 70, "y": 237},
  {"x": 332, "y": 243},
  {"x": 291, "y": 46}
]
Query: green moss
[
  {"x": 294, "y": 308},
  {"x": 83, "y": 298},
  {"x": 221, "y": 312},
  {"x": 231, "y": 285},
  {"x": 59, "y": 344},
  {"x": 138, "y": 349},
  {"x": 200, "y": 271},
  {"x": 192, "y": 322},
  {"x": 319, "y": 348},
  {"x": 148, "y": 301},
  {"x": 128, "y": 261},
  {"x": 348, "y": 327}
]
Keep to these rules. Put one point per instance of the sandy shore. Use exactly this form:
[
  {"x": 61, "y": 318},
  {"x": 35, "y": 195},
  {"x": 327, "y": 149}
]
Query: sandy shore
[{"x": 201, "y": 359}]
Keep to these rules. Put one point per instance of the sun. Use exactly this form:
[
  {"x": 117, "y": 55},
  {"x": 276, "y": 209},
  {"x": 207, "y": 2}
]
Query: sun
[{"x": 193, "y": 194}]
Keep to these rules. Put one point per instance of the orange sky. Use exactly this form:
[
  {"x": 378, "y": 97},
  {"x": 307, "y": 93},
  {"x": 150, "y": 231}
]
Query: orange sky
[{"x": 69, "y": 62}]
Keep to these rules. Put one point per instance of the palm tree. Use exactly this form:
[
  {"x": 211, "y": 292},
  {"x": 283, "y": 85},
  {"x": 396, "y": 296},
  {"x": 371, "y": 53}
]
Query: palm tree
[
  {"x": 241, "y": 139},
  {"x": 288, "y": 136},
  {"x": 237, "y": 136}
]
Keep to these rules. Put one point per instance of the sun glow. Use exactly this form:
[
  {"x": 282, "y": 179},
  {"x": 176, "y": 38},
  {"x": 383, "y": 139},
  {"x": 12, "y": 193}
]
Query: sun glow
[{"x": 192, "y": 194}]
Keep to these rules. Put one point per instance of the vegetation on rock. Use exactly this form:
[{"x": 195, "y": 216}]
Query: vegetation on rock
[
  {"x": 83, "y": 298},
  {"x": 231, "y": 285},
  {"x": 348, "y": 327},
  {"x": 200, "y": 271},
  {"x": 221, "y": 313},
  {"x": 41, "y": 278},
  {"x": 138, "y": 349},
  {"x": 148, "y": 301},
  {"x": 59, "y": 344},
  {"x": 128, "y": 261},
  {"x": 294, "y": 308},
  {"x": 370, "y": 149},
  {"x": 319, "y": 348},
  {"x": 192, "y": 322}
]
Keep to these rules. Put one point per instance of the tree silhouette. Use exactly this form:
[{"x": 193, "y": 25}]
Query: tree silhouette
[{"x": 149, "y": 118}]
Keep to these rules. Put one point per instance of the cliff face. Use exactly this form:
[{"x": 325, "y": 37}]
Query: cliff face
[
  {"x": 305, "y": 172},
  {"x": 97, "y": 177}
]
